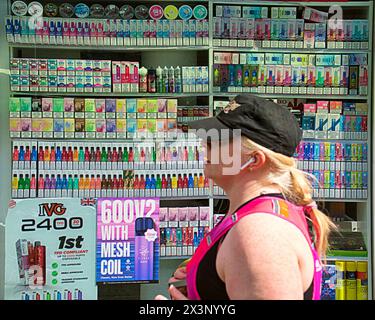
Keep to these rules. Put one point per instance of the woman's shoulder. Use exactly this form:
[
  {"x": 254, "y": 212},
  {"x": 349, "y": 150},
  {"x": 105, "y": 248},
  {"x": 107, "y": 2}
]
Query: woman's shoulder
[
  {"x": 266, "y": 231},
  {"x": 256, "y": 240},
  {"x": 261, "y": 226}
]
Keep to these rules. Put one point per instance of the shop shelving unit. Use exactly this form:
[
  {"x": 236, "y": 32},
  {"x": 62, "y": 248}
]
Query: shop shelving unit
[
  {"x": 206, "y": 53},
  {"x": 364, "y": 207}
]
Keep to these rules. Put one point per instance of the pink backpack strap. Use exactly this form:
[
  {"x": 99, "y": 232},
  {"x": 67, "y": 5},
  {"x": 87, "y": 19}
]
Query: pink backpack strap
[{"x": 268, "y": 205}]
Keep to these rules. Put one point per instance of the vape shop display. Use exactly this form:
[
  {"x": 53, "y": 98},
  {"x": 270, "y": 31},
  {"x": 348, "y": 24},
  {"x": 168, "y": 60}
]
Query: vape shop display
[
  {"x": 182, "y": 229},
  {"x": 190, "y": 113},
  {"x": 107, "y": 156},
  {"x": 110, "y": 11},
  {"x": 339, "y": 120},
  {"x": 345, "y": 280},
  {"x": 32, "y": 117},
  {"x": 103, "y": 76},
  {"x": 108, "y": 26},
  {"x": 279, "y": 27},
  {"x": 71, "y": 169},
  {"x": 101, "y": 97},
  {"x": 279, "y": 73}
]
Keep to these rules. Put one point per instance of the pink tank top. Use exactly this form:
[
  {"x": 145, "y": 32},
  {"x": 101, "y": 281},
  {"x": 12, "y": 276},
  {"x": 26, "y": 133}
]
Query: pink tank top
[{"x": 268, "y": 205}]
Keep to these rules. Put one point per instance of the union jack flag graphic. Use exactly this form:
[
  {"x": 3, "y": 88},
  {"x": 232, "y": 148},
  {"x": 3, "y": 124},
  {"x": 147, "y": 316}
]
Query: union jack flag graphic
[{"x": 88, "y": 202}]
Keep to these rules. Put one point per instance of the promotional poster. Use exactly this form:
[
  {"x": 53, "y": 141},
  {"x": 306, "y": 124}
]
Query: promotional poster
[
  {"x": 127, "y": 240},
  {"x": 50, "y": 250}
]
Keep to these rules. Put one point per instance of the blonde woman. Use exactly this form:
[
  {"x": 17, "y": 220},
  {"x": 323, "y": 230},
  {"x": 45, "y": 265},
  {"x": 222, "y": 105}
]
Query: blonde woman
[{"x": 270, "y": 244}]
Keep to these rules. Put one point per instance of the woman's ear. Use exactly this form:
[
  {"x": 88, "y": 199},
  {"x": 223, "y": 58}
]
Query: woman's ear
[
  {"x": 259, "y": 160},
  {"x": 247, "y": 163}
]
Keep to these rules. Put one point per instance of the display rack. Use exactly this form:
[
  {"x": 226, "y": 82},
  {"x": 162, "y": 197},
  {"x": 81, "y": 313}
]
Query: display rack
[{"x": 196, "y": 54}]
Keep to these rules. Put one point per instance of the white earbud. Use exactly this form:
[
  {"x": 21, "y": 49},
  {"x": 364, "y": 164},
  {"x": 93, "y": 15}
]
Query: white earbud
[{"x": 251, "y": 160}]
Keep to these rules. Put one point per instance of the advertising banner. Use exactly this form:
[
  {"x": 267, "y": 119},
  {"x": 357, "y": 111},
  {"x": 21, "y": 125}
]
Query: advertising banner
[
  {"x": 50, "y": 250},
  {"x": 127, "y": 240}
]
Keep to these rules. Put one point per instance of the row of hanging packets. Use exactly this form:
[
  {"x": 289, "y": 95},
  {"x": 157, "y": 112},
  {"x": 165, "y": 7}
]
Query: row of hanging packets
[{"x": 99, "y": 32}]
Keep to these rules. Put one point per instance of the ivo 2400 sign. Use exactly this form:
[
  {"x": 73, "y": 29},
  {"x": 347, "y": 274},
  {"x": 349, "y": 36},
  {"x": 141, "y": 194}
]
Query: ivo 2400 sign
[{"x": 47, "y": 220}]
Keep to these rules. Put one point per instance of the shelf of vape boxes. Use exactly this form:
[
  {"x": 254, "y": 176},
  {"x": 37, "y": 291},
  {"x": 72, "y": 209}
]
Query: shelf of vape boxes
[
  {"x": 144, "y": 166},
  {"x": 51, "y": 155},
  {"x": 234, "y": 45},
  {"x": 332, "y": 194},
  {"x": 294, "y": 3},
  {"x": 99, "y": 184},
  {"x": 110, "y": 94},
  {"x": 324, "y": 195},
  {"x": 175, "y": 257},
  {"x": 121, "y": 137},
  {"x": 188, "y": 119},
  {"x": 109, "y": 32},
  {"x": 174, "y": 250},
  {"x": 182, "y": 229},
  {"x": 334, "y": 136},
  {"x": 106, "y": 48},
  {"x": 344, "y": 258},
  {"x": 224, "y": 197},
  {"x": 338, "y": 155},
  {"x": 358, "y": 141},
  {"x": 310, "y": 135},
  {"x": 288, "y": 94},
  {"x": 332, "y": 165}
]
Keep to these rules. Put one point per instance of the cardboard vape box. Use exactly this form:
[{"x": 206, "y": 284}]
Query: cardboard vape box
[
  {"x": 193, "y": 216},
  {"x": 52, "y": 83},
  {"x": 100, "y": 128},
  {"x": 361, "y": 108},
  {"x": 315, "y": 15},
  {"x": 47, "y": 127},
  {"x": 58, "y": 128},
  {"x": 222, "y": 58},
  {"x": 173, "y": 217},
  {"x": 308, "y": 126},
  {"x": 97, "y": 68},
  {"x": 69, "y": 127},
  {"x": 47, "y": 107},
  {"x": 90, "y": 128},
  {"x": 89, "y": 108},
  {"x": 131, "y": 125},
  {"x": 111, "y": 128},
  {"x": 14, "y": 107},
  {"x": 204, "y": 217},
  {"x": 25, "y": 107},
  {"x": 14, "y": 127},
  {"x": 36, "y": 128},
  {"x": 334, "y": 126},
  {"x": 15, "y": 82},
  {"x": 172, "y": 105},
  {"x": 335, "y": 107},
  {"x": 110, "y": 108},
  {"x": 121, "y": 128},
  {"x": 79, "y": 108},
  {"x": 309, "y": 108},
  {"x": 100, "y": 108},
  {"x": 321, "y": 126},
  {"x": 79, "y": 128},
  {"x": 69, "y": 107},
  {"x": 183, "y": 217},
  {"x": 255, "y": 12},
  {"x": 354, "y": 80},
  {"x": 163, "y": 217},
  {"x": 322, "y": 106}
]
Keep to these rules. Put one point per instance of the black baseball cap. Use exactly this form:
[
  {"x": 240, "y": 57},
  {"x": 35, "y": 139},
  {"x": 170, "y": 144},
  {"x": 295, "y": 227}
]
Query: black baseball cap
[{"x": 262, "y": 121}]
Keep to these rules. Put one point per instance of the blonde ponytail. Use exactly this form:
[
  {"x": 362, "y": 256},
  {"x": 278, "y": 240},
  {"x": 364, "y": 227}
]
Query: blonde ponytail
[{"x": 296, "y": 187}]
